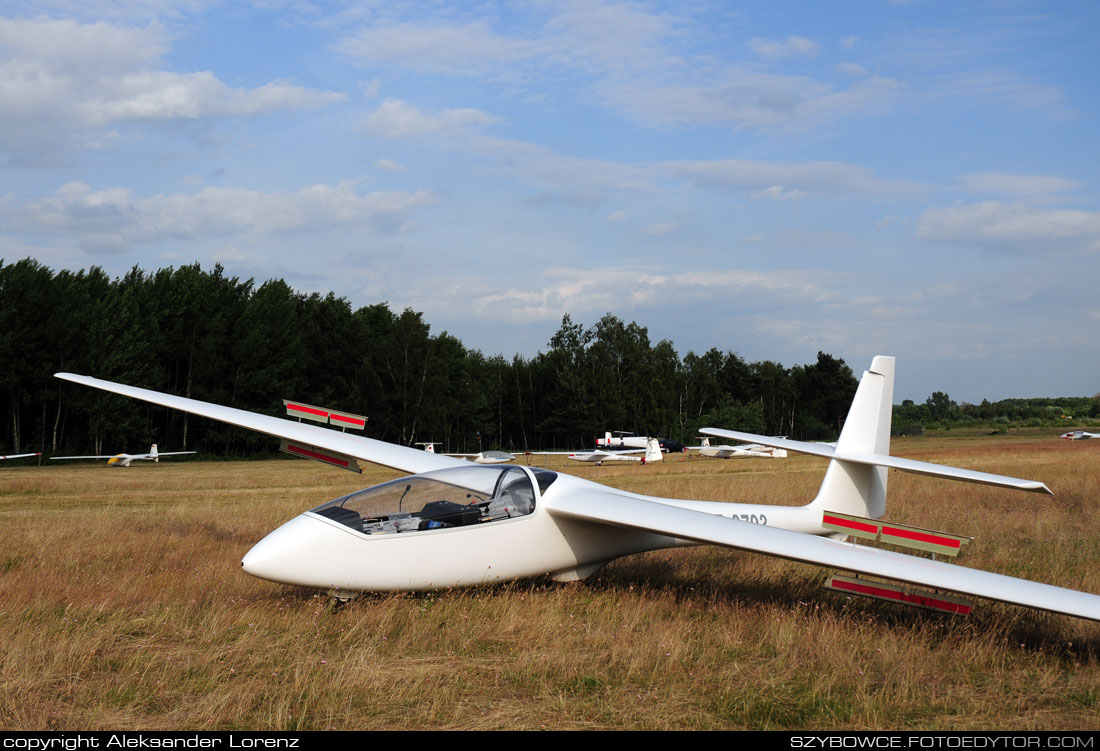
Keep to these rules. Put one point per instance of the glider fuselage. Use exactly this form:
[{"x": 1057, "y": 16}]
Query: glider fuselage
[{"x": 316, "y": 550}]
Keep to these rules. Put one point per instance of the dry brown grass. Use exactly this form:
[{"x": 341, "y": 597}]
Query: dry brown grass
[{"x": 122, "y": 605}]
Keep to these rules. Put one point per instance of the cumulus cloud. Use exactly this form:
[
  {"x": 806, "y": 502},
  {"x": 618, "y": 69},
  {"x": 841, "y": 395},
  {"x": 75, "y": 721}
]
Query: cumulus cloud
[
  {"x": 991, "y": 224},
  {"x": 59, "y": 78},
  {"x": 114, "y": 221}
]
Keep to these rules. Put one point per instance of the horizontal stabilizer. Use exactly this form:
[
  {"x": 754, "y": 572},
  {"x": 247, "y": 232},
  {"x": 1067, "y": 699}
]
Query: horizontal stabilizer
[{"x": 884, "y": 460}]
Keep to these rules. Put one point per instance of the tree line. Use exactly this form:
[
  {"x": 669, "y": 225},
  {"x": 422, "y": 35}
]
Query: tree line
[{"x": 205, "y": 335}]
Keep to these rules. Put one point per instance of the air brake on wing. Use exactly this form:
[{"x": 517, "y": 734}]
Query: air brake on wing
[
  {"x": 326, "y": 456},
  {"x": 900, "y": 593},
  {"x": 896, "y": 534},
  {"x": 905, "y": 536},
  {"x": 324, "y": 415}
]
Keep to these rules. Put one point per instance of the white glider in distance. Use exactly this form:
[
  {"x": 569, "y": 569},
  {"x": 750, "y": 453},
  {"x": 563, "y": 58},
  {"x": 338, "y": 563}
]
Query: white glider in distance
[
  {"x": 123, "y": 460},
  {"x": 453, "y": 523},
  {"x": 740, "y": 450},
  {"x": 651, "y": 453},
  {"x": 1078, "y": 435},
  {"x": 481, "y": 457}
]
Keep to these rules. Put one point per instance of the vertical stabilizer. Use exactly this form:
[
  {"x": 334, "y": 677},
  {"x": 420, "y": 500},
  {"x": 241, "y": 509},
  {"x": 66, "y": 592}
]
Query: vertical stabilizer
[
  {"x": 860, "y": 489},
  {"x": 653, "y": 451},
  {"x": 153, "y": 454}
]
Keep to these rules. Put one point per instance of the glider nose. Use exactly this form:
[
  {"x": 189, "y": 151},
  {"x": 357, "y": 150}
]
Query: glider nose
[{"x": 286, "y": 554}]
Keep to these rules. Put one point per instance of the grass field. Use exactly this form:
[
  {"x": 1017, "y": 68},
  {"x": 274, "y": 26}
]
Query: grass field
[{"x": 123, "y": 606}]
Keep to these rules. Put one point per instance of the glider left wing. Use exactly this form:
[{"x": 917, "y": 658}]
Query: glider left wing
[
  {"x": 403, "y": 458},
  {"x": 686, "y": 524}
]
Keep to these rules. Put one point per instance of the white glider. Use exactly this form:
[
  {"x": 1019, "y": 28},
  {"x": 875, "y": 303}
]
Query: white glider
[
  {"x": 482, "y": 457},
  {"x": 740, "y": 450},
  {"x": 457, "y": 524},
  {"x": 1078, "y": 435},
  {"x": 651, "y": 453},
  {"x": 123, "y": 460}
]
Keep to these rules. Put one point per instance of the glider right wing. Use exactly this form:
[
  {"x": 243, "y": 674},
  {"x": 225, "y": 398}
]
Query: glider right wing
[
  {"x": 687, "y": 524},
  {"x": 403, "y": 458}
]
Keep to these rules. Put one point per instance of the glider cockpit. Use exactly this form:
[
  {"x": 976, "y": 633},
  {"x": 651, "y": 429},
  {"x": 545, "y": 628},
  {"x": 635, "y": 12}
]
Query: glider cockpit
[{"x": 445, "y": 498}]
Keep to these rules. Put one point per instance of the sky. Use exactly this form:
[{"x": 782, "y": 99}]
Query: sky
[{"x": 917, "y": 179}]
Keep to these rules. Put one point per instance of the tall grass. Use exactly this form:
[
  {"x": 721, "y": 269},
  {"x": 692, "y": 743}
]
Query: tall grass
[{"x": 122, "y": 605}]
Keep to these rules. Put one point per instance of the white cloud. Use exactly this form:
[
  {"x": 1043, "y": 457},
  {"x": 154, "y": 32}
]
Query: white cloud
[
  {"x": 661, "y": 228},
  {"x": 440, "y": 48},
  {"x": 998, "y": 87},
  {"x": 567, "y": 179},
  {"x": 60, "y": 77},
  {"x": 585, "y": 291},
  {"x": 852, "y": 69},
  {"x": 792, "y": 45},
  {"x": 640, "y": 69},
  {"x": 744, "y": 98},
  {"x": 783, "y": 179},
  {"x": 114, "y": 221},
  {"x": 779, "y": 193},
  {"x": 397, "y": 119},
  {"x": 1021, "y": 185},
  {"x": 993, "y": 224},
  {"x": 389, "y": 165},
  {"x": 574, "y": 35}
]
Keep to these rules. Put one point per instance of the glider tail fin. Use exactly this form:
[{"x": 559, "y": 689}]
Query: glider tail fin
[
  {"x": 857, "y": 488},
  {"x": 653, "y": 451},
  {"x": 153, "y": 453}
]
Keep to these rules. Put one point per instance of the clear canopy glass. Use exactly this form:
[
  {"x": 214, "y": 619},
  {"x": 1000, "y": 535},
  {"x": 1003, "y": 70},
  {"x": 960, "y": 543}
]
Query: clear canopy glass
[{"x": 455, "y": 497}]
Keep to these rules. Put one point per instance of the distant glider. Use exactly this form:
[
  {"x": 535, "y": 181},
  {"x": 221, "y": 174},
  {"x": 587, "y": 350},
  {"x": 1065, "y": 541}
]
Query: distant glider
[
  {"x": 740, "y": 450},
  {"x": 482, "y": 457},
  {"x": 651, "y": 453},
  {"x": 1078, "y": 435},
  {"x": 123, "y": 460}
]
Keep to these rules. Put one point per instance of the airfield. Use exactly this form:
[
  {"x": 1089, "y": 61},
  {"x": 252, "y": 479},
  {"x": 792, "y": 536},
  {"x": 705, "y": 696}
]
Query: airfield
[{"x": 123, "y": 606}]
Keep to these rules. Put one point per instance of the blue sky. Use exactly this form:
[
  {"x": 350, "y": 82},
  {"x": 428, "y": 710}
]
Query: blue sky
[{"x": 866, "y": 177}]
